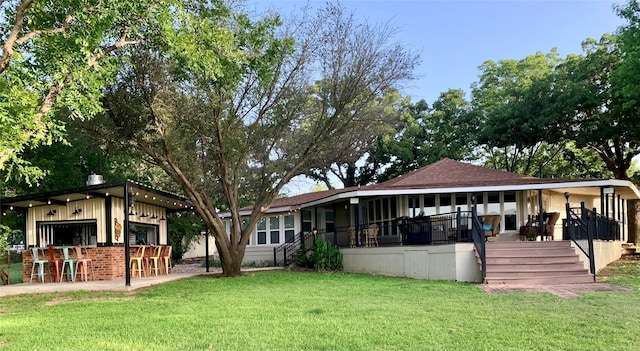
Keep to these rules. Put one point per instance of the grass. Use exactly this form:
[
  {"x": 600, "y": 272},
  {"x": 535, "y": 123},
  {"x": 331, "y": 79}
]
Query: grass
[{"x": 323, "y": 311}]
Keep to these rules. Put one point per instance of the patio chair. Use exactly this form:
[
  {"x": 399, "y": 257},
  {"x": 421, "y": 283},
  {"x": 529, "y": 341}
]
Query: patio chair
[
  {"x": 137, "y": 261},
  {"x": 54, "y": 262},
  {"x": 154, "y": 259},
  {"x": 352, "y": 236},
  {"x": 550, "y": 224},
  {"x": 83, "y": 263},
  {"x": 372, "y": 235},
  {"x": 68, "y": 262},
  {"x": 166, "y": 257},
  {"x": 40, "y": 263}
]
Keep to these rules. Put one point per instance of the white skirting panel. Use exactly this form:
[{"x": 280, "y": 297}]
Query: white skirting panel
[{"x": 456, "y": 262}]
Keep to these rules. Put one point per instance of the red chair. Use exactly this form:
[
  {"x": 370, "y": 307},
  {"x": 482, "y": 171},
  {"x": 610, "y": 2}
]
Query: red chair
[{"x": 54, "y": 262}]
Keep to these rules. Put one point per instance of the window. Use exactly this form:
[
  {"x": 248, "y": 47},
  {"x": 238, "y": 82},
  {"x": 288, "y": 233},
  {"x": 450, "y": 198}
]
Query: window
[
  {"x": 509, "y": 210},
  {"x": 306, "y": 221},
  {"x": 143, "y": 234},
  {"x": 67, "y": 233},
  {"x": 414, "y": 205},
  {"x": 461, "y": 201},
  {"x": 429, "y": 205},
  {"x": 445, "y": 203},
  {"x": 289, "y": 228},
  {"x": 262, "y": 231},
  {"x": 493, "y": 203},
  {"x": 274, "y": 230},
  {"x": 329, "y": 222}
]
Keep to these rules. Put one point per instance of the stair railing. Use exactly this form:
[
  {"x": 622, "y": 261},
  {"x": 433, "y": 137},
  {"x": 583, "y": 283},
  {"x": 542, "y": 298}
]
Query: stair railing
[
  {"x": 289, "y": 250},
  {"x": 479, "y": 239},
  {"x": 581, "y": 229}
]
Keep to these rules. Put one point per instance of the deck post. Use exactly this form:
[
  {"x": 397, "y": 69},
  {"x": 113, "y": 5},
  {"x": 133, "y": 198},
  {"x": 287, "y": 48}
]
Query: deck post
[{"x": 127, "y": 255}]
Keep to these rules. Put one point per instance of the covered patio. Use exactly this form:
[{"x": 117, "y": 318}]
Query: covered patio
[{"x": 109, "y": 222}]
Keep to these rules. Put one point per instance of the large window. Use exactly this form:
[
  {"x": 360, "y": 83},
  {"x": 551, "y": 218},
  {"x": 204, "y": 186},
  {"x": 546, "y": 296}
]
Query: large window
[
  {"x": 289, "y": 228},
  {"x": 262, "y": 231},
  {"x": 510, "y": 210},
  {"x": 143, "y": 234},
  {"x": 67, "y": 233},
  {"x": 274, "y": 230}
]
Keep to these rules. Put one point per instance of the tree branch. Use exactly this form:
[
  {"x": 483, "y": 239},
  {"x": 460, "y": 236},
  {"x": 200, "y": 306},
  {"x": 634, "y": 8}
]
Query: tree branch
[
  {"x": 34, "y": 33},
  {"x": 7, "y": 46}
]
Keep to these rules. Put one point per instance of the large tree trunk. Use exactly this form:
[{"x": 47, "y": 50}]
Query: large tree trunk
[
  {"x": 231, "y": 264},
  {"x": 633, "y": 214}
]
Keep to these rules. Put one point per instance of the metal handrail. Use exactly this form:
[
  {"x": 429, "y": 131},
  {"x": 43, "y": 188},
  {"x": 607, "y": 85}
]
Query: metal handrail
[
  {"x": 289, "y": 249},
  {"x": 576, "y": 226},
  {"x": 479, "y": 240}
]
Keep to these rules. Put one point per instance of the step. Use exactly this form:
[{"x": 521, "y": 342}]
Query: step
[
  {"x": 527, "y": 244},
  {"x": 530, "y": 252},
  {"x": 537, "y": 274},
  {"x": 532, "y": 260},
  {"x": 515, "y": 267},
  {"x": 582, "y": 279}
]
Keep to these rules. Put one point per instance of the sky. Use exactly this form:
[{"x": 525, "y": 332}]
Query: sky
[{"x": 455, "y": 37}]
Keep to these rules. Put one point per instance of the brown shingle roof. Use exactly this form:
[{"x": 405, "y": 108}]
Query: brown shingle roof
[
  {"x": 449, "y": 173},
  {"x": 445, "y": 173}
]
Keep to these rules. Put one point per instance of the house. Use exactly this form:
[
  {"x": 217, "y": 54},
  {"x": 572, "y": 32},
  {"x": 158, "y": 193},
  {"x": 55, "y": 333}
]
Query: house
[
  {"x": 110, "y": 220},
  {"x": 445, "y": 192}
]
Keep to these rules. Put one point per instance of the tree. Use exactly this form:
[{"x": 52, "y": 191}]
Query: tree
[
  {"x": 426, "y": 136},
  {"x": 232, "y": 109},
  {"x": 386, "y": 116},
  {"x": 54, "y": 58},
  {"x": 505, "y": 112}
]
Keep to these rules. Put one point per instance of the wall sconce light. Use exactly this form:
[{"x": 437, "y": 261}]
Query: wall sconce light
[
  {"x": 162, "y": 218},
  {"x": 144, "y": 215},
  {"x": 76, "y": 211},
  {"x": 51, "y": 212},
  {"x": 131, "y": 213},
  {"x": 154, "y": 217}
]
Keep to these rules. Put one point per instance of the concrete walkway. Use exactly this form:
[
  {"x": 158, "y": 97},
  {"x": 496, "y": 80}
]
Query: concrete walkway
[{"x": 114, "y": 285}]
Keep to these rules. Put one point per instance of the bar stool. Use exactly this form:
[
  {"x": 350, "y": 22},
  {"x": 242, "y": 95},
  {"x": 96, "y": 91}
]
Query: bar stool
[
  {"x": 69, "y": 263},
  {"x": 54, "y": 262},
  {"x": 83, "y": 263},
  {"x": 154, "y": 259},
  {"x": 166, "y": 257},
  {"x": 40, "y": 262},
  {"x": 138, "y": 260}
]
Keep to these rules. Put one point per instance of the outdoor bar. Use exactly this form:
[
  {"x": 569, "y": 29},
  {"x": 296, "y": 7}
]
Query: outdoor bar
[{"x": 96, "y": 232}]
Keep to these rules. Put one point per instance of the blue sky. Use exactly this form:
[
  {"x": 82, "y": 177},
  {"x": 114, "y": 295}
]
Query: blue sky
[{"x": 455, "y": 37}]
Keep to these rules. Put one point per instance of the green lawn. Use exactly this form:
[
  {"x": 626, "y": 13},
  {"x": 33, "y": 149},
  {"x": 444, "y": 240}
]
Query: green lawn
[{"x": 323, "y": 311}]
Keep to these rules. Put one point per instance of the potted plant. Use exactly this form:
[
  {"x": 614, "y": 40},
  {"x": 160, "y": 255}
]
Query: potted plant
[{"x": 531, "y": 235}]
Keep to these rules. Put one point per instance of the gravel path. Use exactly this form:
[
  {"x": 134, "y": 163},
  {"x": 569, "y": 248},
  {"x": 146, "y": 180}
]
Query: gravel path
[{"x": 193, "y": 268}]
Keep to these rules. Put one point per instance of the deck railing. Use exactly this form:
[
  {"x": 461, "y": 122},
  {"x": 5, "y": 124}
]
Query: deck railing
[
  {"x": 580, "y": 227},
  {"x": 287, "y": 252},
  {"x": 479, "y": 239}
]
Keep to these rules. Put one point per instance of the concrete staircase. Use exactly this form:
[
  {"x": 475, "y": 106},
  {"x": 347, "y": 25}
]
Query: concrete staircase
[{"x": 534, "y": 262}]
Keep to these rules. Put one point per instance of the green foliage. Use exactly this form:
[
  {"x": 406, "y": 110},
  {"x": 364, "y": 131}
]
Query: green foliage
[
  {"x": 56, "y": 58},
  {"x": 426, "y": 135},
  {"x": 322, "y": 256},
  {"x": 184, "y": 228}
]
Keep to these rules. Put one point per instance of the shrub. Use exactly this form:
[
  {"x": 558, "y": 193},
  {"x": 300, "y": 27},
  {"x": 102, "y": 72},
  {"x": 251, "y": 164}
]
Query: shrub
[{"x": 323, "y": 256}]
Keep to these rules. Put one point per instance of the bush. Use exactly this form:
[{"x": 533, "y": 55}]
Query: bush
[{"x": 323, "y": 256}]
